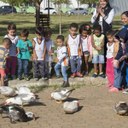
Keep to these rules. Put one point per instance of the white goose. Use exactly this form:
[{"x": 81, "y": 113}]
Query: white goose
[
  {"x": 7, "y": 91},
  {"x": 61, "y": 95},
  {"x": 71, "y": 107},
  {"x": 24, "y": 97}
]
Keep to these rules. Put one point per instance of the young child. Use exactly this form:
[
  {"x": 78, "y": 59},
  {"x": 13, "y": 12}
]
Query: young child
[
  {"x": 62, "y": 60},
  {"x": 12, "y": 59},
  {"x": 49, "y": 51},
  {"x": 98, "y": 52},
  {"x": 39, "y": 51},
  {"x": 114, "y": 52},
  {"x": 74, "y": 50},
  {"x": 86, "y": 41},
  {"x": 23, "y": 47},
  {"x": 4, "y": 52}
]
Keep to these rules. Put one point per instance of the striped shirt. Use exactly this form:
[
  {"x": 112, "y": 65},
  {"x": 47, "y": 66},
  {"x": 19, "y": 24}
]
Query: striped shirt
[{"x": 3, "y": 54}]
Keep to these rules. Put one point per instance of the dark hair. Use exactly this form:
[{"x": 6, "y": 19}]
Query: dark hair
[
  {"x": 47, "y": 31},
  {"x": 61, "y": 37},
  {"x": 73, "y": 25},
  {"x": 125, "y": 13},
  {"x": 111, "y": 33},
  {"x": 7, "y": 40},
  {"x": 39, "y": 30},
  {"x": 24, "y": 33},
  {"x": 11, "y": 26},
  {"x": 97, "y": 27},
  {"x": 85, "y": 27}
]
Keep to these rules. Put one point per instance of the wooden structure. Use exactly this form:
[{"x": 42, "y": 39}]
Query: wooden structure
[{"x": 42, "y": 20}]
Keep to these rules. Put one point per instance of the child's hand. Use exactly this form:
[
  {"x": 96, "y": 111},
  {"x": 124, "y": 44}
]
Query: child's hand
[
  {"x": 123, "y": 58},
  {"x": 99, "y": 48},
  {"x": 115, "y": 63},
  {"x": 43, "y": 57}
]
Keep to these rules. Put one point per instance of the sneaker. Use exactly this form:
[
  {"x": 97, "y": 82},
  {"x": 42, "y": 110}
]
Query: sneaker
[
  {"x": 58, "y": 76},
  {"x": 26, "y": 78},
  {"x": 13, "y": 77},
  {"x": 79, "y": 74},
  {"x": 94, "y": 75},
  {"x": 66, "y": 84},
  {"x": 20, "y": 78},
  {"x": 86, "y": 73},
  {"x": 73, "y": 75},
  {"x": 45, "y": 78},
  {"x": 113, "y": 89},
  {"x": 36, "y": 79},
  {"x": 101, "y": 75},
  {"x": 125, "y": 91}
]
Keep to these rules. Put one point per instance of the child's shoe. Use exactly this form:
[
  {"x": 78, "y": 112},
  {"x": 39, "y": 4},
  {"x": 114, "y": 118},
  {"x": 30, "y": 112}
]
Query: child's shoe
[
  {"x": 101, "y": 75},
  {"x": 125, "y": 91},
  {"x": 113, "y": 89},
  {"x": 79, "y": 74},
  {"x": 20, "y": 78},
  {"x": 95, "y": 75},
  {"x": 26, "y": 78},
  {"x": 73, "y": 75},
  {"x": 66, "y": 84},
  {"x": 13, "y": 77},
  {"x": 36, "y": 79}
]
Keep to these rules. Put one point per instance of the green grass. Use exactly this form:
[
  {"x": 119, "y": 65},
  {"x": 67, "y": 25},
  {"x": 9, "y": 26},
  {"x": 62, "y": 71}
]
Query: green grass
[{"x": 28, "y": 21}]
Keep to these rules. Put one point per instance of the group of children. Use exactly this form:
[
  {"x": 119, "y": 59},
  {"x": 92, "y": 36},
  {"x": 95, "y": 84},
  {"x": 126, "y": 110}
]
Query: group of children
[{"x": 72, "y": 52}]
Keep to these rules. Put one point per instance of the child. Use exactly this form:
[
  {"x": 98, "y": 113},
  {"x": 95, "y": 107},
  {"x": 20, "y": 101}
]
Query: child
[
  {"x": 114, "y": 52},
  {"x": 62, "y": 60},
  {"x": 86, "y": 41},
  {"x": 23, "y": 47},
  {"x": 74, "y": 50},
  {"x": 4, "y": 51},
  {"x": 98, "y": 52},
  {"x": 39, "y": 50},
  {"x": 50, "y": 51},
  {"x": 12, "y": 59}
]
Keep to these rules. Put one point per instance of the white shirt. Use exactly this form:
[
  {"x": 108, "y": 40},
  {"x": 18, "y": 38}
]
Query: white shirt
[
  {"x": 110, "y": 50},
  {"x": 84, "y": 43},
  {"x": 73, "y": 44},
  {"x": 12, "y": 50},
  {"x": 49, "y": 46},
  {"x": 39, "y": 49},
  {"x": 62, "y": 55}
]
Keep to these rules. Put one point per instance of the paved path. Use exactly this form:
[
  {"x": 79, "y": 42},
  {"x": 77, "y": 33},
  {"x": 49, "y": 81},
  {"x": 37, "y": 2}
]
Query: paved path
[{"x": 96, "y": 111}]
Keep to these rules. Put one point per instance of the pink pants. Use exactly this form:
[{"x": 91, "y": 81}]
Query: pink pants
[
  {"x": 11, "y": 64},
  {"x": 110, "y": 72}
]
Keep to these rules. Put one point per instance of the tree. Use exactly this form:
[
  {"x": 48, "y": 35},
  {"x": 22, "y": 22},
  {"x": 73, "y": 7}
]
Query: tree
[
  {"x": 59, "y": 4},
  {"x": 87, "y": 1}
]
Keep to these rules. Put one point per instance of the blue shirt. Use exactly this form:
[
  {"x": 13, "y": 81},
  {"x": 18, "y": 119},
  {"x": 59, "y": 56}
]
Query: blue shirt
[{"x": 24, "y": 49}]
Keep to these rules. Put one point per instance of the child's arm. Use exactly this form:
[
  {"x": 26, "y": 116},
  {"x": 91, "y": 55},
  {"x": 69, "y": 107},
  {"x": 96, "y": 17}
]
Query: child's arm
[
  {"x": 44, "y": 52},
  {"x": 34, "y": 52},
  {"x": 93, "y": 44},
  {"x": 102, "y": 44},
  {"x": 66, "y": 44}
]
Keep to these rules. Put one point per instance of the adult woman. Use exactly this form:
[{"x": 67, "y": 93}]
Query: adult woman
[{"x": 103, "y": 16}]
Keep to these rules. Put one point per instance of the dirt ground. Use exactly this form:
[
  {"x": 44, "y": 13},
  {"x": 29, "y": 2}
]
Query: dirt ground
[{"x": 96, "y": 111}]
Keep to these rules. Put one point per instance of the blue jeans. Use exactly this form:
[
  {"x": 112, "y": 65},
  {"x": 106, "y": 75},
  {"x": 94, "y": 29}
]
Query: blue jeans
[
  {"x": 22, "y": 64},
  {"x": 118, "y": 76},
  {"x": 75, "y": 62},
  {"x": 63, "y": 69}
]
